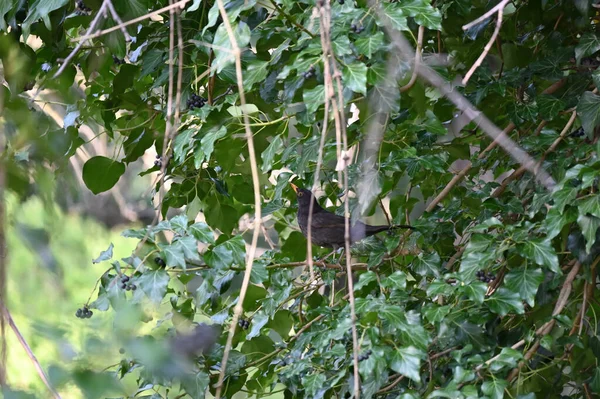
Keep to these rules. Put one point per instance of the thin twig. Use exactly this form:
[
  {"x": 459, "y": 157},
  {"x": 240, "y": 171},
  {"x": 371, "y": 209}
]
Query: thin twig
[
  {"x": 519, "y": 172},
  {"x": 415, "y": 72},
  {"x": 340, "y": 125},
  {"x": 487, "y": 47},
  {"x": 257, "y": 200},
  {"x": 485, "y": 16},
  {"x": 36, "y": 363},
  {"x": 91, "y": 29},
  {"x": 3, "y": 265},
  {"x": 171, "y": 6},
  {"x": 117, "y": 19}
]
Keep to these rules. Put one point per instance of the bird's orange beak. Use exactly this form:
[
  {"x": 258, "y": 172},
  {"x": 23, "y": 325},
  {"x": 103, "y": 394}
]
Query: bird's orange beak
[{"x": 294, "y": 187}]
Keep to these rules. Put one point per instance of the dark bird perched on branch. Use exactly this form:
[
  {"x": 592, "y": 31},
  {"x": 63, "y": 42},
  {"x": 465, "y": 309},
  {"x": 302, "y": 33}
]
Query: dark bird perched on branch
[{"x": 328, "y": 229}]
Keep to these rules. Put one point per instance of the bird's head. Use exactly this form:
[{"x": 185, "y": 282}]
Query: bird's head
[{"x": 303, "y": 197}]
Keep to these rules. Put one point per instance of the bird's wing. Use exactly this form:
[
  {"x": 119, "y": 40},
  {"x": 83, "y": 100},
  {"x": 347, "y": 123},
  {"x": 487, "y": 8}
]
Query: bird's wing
[{"x": 328, "y": 220}]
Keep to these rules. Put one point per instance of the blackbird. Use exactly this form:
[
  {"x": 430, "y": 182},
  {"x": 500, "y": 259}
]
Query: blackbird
[{"x": 328, "y": 229}]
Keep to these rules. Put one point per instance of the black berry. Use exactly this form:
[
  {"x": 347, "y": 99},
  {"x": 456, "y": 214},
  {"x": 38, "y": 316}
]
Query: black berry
[
  {"x": 578, "y": 133},
  {"x": 195, "y": 101},
  {"x": 341, "y": 1},
  {"x": 79, "y": 313},
  {"x": 159, "y": 261},
  {"x": 244, "y": 324},
  {"x": 121, "y": 351},
  {"x": 133, "y": 287}
]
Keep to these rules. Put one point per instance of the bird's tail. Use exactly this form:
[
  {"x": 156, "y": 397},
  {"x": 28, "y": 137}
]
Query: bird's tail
[{"x": 376, "y": 229}]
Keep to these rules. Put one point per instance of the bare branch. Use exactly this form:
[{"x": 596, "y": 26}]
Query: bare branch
[
  {"x": 91, "y": 29},
  {"x": 171, "y": 6},
  {"x": 415, "y": 72},
  {"x": 117, "y": 19},
  {"x": 488, "y": 14},
  {"x": 257, "y": 200},
  {"x": 36, "y": 363},
  {"x": 486, "y": 49}
]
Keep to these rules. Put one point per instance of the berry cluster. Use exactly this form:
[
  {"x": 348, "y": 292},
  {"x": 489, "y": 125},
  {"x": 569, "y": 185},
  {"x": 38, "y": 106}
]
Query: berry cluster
[
  {"x": 244, "y": 324},
  {"x": 310, "y": 73},
  {"x": 158, "y": 163},
  {"x": 356, "y": 28},
  {"x": 117, "y": 60},
  {"x": 84, "y": 313},
  {"x": 195, "y": 101},
  {"x": 485, "y": 277},
  {"x": 159, "y": 261},
  {"x": 82, "y": 9},
  {"x": 578, "y": 133},
  {"x": 364, "y": 356},
  {"x": 341, "y": 1},
  {"x": 126, "y": 284}
]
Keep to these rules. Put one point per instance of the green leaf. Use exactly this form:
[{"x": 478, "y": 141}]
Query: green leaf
[
  {"x": 396, "y": 16},
  {"x": 259, "y": 320},
  {"x": 549, "y": 106},
  {"x": 154, "y": 284},
  {"x": 424, "y": 14},
  {"x": 174, "y": 254},
  {"x": 355, "y": 77},
  {"x": 101, "y": 174},
  {"x": 590, "y": 206},
  {"x": 407, "y": 361},
  {"x": 365, "y": 279},
  {"x": 542, "y": 253},
  {"x": 282, "y": 323},
  {"x": 313, "y": 383},
  {"x": 588, "y": 111},
  {"x": 202, "y": 232},
  {"x": 435, "y": 313},
  {"x": 508, "y": 358},
  {"x": 494, "y": 388},
  {"x": 589, "y": 225},
  {"x": 314, "y": 98},
  {"x": 525, "y": 281},
  {"x": 589, "y": 43},
  {"x": 240, "y": 110},
  {"x": 256, "y": 72},
  {"x": 396, "y": 280},
  {"x": 427, "y": 264},
  {"x": 40, "y": 9},
  {"x": 555, "y": 221},
  {"x": 475, "y": 291},
  {"x": 268, "y": 155},
  {"x": 504, "y": 301},
  {"x": 370, "y": 44},
  {"x": 205, "y": 147},
  {"x": 564, "y": 197},
  {"x": 223, "y": 47},
  {"x": 104, "y": 255}
]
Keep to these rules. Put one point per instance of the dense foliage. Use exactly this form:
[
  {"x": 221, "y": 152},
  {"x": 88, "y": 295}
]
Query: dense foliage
[{"x": 492, "y": 296}]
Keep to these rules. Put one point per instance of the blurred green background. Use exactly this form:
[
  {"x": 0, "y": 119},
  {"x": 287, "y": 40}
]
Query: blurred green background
[{"x": 50, "y": 275}]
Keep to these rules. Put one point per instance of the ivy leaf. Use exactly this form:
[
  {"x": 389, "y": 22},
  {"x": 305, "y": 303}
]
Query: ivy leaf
[
  {"x": 268, "y": 155},
  {"x": 312, "y": 383},
  {"x": 365, "y": 279},
  {"x": 507, "y": 357},
  {"x": 239, "y": 110},
  {"x": 588, "y": 45},
  {"x": 259, "y": 320},
  {"x": 154, "y": 284},
  {"x": 475, "y": 291},
  {"x": 555, "y": 221},
  {"x": 494, "y": 388},
  {"x": 424, "y": 14},
  {"x": 590, "y": 206},
  {"x": 174, "y": 255},
  {"x": 504, "y": 301},
  {"x": 314, "y": 98},
  {"x": 206, "y": 146},
  {"x": 40, "y": 9},
  {"x": 427, "y": 264},
  {"x": 255, "y": 72},
  {"x": 588, "y": 111},
  {"x": 370, "y": 44},
  {"x": 542, "y": 253},
  {"x": 407, "y": 361},
  {"x": 101, "y": 174},
  {"x": 564, "y": 197},
  {"x": 397, "y": 18},
  {"x": 188, "y": 246},
  {"x": 549, "y": 106},
  {"x": 179, "y": 223},
  {"x": 396, "y": 280},
  {"x": 202, "y": 233},
  {"x": 589, "y": 225},
  {"x": 104, "y": 255},
  {"x": 435, "y": 313},
  {"x": 525, "y": 281},
  {"x": 222, "y": 45},
  {"x": 355, "y": 77}
]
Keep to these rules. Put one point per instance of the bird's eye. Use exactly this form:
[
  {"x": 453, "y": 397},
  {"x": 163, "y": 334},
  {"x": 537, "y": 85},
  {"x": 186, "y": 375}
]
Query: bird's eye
[{"x": 300, "y": 193}]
